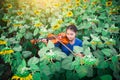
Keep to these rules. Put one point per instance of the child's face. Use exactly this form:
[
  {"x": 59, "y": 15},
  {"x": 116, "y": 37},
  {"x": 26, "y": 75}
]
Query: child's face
[{"x": 70, "y": 34}]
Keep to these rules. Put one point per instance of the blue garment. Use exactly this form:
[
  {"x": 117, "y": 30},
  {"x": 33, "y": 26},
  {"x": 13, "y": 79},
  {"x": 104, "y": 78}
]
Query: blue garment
[{"x": 77, "y": 42}]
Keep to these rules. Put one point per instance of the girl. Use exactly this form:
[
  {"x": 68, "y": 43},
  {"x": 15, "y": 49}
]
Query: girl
[{"x": 71, "y": 32}]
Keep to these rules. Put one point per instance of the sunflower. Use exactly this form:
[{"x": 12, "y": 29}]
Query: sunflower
[
  {"x": 108, "y": 3},
  {"x": 56, "y": 4},
  {"x": 69, "y": 14},
  {"x": 9, "y": 6},
  {"x": 60, "y": 21},
  {"x": 19, "y": 13},
  {"x": 2, "y": 42},
  {"x": 23, "y": 6},
  {"x": 77, "y": 4},
  {"x": 38, "y": 24},
  {"x": 55, "y": 27},
  {"x": 93, "y": 42},
  {"x": 17, "y": 25},
  {"x": 93, "y": 3},
  {"x": 70, "y": 7},
  {"x": 112, "y": 11},
  {"x": 36, "y": 12},
  {"x": 85, "y": 0},
  {"x": 84, "y": 6},
  {"x": 99, "y": 43},
  {"x": 9, "y": 51},
  {"x": 77, "y": 1},
  {"x": 29, "y": 77},
  {"x": 67, "y": 0},
  {"x": 110, "y": 42}
]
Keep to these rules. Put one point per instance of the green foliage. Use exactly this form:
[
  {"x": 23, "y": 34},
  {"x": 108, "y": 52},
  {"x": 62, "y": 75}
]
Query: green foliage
[
  {"x": 98, "y": 23},
  {"x": 107, "y": 52},
  {"x": 17, "y": 48},
  {"x": 82, "y": 71},
  {"x": 33, "y": 60},
  {"x": 78, "y": 49},
  {"x": 67, "y": 63},
  {"x": 36, "y": 76},
  {"x": 26, "y": 54},
  {"x": 106, "y": 77}
]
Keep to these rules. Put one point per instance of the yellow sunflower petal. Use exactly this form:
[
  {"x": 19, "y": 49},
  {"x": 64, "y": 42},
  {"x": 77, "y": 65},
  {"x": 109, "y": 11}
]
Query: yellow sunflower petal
[{"x": 15, "y": 78}]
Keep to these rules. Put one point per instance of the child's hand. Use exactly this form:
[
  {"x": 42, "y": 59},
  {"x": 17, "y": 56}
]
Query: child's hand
[
  {"x": 79, "y": 54},
  {"x": 44, "y": 41}
]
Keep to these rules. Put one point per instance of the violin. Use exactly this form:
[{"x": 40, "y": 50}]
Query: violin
[{"x": 61, "y": 37}]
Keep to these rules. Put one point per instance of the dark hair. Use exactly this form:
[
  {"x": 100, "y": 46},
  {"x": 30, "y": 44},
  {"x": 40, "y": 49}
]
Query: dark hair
[{"x": 72, "y": 27}]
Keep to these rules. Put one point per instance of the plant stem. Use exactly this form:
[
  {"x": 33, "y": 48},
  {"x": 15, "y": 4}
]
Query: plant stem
[{"x": 111, "y": 58}]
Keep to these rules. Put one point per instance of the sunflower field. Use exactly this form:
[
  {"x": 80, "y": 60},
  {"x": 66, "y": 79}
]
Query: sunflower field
[{"x": 98, "y": 23}]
